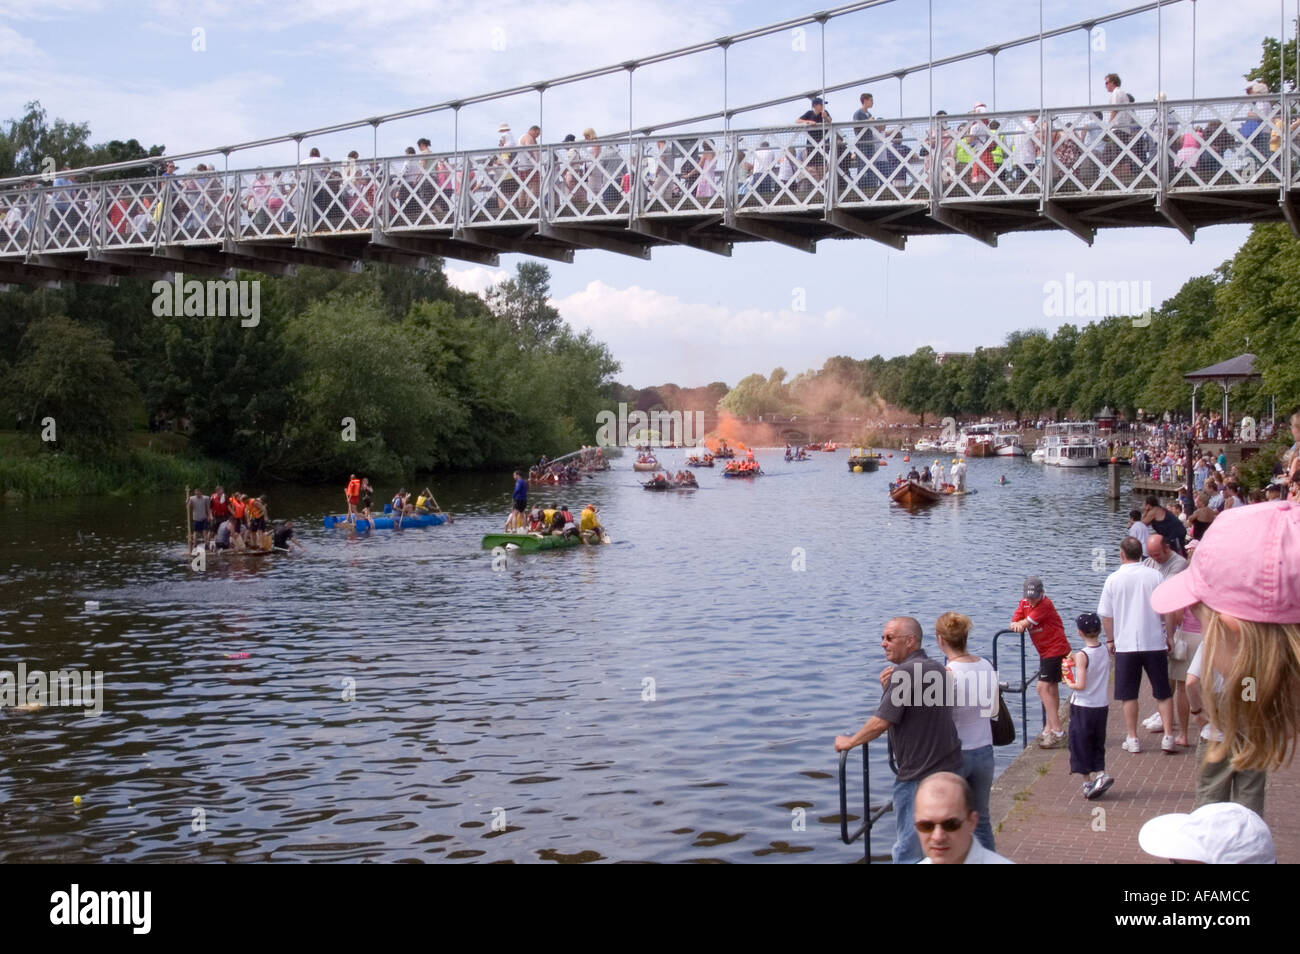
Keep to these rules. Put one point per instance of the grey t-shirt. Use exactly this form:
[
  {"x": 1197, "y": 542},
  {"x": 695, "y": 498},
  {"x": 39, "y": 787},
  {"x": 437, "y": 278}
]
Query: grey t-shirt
[
  {"x": 1175, "y": 564},
  {"x": 922, "y": 732}
]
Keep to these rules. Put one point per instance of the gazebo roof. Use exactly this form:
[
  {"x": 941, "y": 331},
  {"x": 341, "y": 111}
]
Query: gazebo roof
[{"x": 1240, "y": 368}]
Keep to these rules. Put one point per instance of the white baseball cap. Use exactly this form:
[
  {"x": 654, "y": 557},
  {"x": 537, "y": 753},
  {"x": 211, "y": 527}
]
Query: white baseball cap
[{"x": 1221, "y": 833}]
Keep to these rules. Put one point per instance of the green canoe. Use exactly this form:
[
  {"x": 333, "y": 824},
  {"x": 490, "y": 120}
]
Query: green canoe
[{"x": 530, "y": 541}]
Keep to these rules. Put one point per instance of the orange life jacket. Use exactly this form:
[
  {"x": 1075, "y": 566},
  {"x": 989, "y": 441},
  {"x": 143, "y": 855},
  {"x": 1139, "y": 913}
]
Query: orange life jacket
[
  {"x": 354, "y": 488},
  {"x": 237, "y": 508}
]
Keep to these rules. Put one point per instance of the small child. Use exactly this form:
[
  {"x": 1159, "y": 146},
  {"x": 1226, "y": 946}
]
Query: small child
[{"x": 1087, "y": 672}]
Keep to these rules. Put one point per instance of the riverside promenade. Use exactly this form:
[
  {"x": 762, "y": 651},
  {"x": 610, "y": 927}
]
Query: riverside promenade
[{"x": 1041, "y": 817}]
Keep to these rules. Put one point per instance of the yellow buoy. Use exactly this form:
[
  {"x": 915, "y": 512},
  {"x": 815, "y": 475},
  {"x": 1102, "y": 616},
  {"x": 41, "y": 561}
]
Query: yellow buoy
[
  {"x": 857, "y": 468},
  {"x": 76, "y": 799}
]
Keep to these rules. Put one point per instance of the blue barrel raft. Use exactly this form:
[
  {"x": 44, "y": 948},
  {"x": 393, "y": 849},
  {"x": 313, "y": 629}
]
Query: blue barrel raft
[{"x": 388, "y": 522}]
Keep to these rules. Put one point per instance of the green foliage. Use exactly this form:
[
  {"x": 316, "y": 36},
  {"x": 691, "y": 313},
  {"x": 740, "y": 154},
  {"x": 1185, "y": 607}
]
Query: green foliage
[
  {"x": 26, "y": 143},
  {"x": 66, "y": 372},
  {"x": 1270, "y": 64},
  {"x": 26, "y": 470}
]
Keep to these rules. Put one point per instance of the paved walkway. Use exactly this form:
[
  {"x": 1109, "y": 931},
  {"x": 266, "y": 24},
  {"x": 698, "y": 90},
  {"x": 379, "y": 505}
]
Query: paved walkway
[{"x": 1041, "y": 817}]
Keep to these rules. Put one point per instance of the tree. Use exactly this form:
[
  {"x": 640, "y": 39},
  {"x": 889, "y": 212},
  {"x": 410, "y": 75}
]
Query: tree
[
  {"x": 66, "y": 373},
  {"x": 522, "y": 303},
  {"x": 1270, "y": 64},
  {"x": 919, "y": 383}
]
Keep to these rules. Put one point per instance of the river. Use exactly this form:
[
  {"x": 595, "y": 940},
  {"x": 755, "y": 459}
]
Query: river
[{"x": 404, "y": 697}]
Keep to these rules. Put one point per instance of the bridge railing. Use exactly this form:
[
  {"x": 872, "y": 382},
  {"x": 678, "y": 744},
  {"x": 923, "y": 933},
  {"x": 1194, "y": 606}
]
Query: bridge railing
[
  {"x": 1212, "y": 146},
  {"x": 781, "y": 170},
  {"x": 691, "y": 174},
  {"x": 884, "y": 163},
  {"x": 990, "y": 156},
  {"x": 593, "y": 180},
  {"x": 1231, "y": 143},
  {"x": 131, "y": 213},
  {"x": 268, "y": 203}
]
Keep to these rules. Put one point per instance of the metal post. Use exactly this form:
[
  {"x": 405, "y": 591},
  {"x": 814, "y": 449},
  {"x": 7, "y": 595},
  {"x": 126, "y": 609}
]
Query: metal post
[
  {"x": 541, "y": 97},
  {"x": 726, "y": 115},
  {"x": 1160, "y": 74},
  {"x": 1042, "y": 102},
  {"x": 1194, "y": 48},
  {"x": 231, "y": 207},
  {"x": 994, "y": 105},
  {"x": 1087, "y": 42},
  {"x": 822, "y": 22},
  {"x": 929, "y": 68},
  {"x": 1281, "y": 52},
  {"x": 455, "y": 129}
]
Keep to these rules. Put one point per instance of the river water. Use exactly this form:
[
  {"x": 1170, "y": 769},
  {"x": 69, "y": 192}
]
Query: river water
[{"x": 673, "y": 697}]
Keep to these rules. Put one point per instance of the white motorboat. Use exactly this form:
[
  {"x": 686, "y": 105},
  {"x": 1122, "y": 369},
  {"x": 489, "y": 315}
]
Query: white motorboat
[{"x": 1072, "y": 444}]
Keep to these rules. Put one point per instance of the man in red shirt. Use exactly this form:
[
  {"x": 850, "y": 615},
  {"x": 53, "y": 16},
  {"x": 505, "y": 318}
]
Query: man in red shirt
[{"x": 1037, "y": 615}]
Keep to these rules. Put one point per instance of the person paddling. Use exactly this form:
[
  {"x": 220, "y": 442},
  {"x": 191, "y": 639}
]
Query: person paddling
[
  {"x": 283, "y": 537},
  {"x": 588, "y": 526}
]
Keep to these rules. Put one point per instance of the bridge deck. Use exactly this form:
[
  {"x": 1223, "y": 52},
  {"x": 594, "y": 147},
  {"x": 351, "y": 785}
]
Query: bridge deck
[{"x": 1179, "y": 165}]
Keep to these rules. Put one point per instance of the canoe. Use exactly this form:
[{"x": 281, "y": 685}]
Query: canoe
[
  {"x": 531, "y": 542},
  {"x": 911, "y": 494},
  {"x": 387, "y": 522}
]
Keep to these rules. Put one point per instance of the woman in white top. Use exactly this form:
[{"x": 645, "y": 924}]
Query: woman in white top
[{"x": 975, "y": 688}]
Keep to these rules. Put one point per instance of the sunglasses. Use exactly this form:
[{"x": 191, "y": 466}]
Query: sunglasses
[{"x": 948, "y": 824}]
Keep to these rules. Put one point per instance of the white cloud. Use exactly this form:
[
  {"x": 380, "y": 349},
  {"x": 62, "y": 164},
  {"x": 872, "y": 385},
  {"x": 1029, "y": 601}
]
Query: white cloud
[
  {"x": 476, "y": 279},
  {"x": 658, "y": 337}
]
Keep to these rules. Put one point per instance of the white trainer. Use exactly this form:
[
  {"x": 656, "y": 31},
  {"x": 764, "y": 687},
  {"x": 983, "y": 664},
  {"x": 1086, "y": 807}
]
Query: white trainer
[{"x": 1131, "y": 744}]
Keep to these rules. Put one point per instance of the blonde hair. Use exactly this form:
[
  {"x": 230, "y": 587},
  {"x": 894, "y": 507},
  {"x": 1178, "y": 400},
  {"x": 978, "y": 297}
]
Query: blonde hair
[
  {"x": 589, "y": 133},
  {"x": 1259, "y": 711},
  {"x": 954, "y": 628}
]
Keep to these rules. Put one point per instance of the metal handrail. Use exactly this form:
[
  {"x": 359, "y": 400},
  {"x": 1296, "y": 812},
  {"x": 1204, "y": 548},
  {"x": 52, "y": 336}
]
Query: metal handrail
[
  {"x": 1026, "y": 681},
  {"x": 870, "y": 814}
]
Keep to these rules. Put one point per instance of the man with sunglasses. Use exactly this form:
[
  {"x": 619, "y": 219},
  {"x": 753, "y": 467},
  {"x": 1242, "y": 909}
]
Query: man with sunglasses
[
  {"x": 920, "y": 726},
  {"x": 945, "y": 820}
]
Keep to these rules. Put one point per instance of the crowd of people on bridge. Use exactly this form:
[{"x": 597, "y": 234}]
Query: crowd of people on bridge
[
  {"x": 1110, "y": 148},
  {"x": 1211, "y": 620}
]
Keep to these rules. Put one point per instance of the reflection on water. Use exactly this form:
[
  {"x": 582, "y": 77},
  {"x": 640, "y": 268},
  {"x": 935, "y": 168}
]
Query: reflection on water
[{"x": 672, "y": 697}]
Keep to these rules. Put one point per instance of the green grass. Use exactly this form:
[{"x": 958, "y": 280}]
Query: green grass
[{"x": 154, "y": 462}]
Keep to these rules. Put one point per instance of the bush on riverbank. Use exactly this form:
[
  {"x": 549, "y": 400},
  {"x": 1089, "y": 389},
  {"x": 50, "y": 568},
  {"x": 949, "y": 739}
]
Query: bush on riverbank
[{"x": 137, "y": 471}]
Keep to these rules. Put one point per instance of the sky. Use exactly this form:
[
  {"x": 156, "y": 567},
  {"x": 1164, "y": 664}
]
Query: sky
[{"x": 201, "y": 74}]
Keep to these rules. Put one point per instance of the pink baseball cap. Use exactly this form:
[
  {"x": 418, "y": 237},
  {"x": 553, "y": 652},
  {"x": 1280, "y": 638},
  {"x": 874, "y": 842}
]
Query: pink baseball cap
[{"x": 1247, "y": 565}]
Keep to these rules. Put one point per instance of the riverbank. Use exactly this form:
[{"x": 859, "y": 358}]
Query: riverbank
[
  {"x": 153, "y": 463},
  {"x": 1040, "y": 816}
]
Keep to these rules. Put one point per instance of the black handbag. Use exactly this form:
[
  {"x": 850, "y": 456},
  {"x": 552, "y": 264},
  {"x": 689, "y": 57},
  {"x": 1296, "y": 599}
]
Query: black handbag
[{"x": 1004, "y": 730}]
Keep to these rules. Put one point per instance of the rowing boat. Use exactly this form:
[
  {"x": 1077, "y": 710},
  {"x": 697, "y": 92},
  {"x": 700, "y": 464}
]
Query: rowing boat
[
  {"x": 911, "y": 493},
  {"x": 530, "y": 542}
]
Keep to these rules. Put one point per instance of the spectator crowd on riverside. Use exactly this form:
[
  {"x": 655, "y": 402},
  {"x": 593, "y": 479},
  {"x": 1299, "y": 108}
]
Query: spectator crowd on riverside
[
  {"x": 1211, "y": 621},
  {"x": 1109, "y": 149}
]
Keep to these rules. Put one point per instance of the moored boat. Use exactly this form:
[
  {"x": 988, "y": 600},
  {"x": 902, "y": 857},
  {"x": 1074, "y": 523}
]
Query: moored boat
[
  {"x": 1072, "y": 444},
  {"x": 864, "y": 464}
]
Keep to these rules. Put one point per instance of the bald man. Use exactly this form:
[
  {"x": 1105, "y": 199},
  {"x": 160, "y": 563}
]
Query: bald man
[
  {"x": 920, "y": 725},
  {"x": 945, "y": 820}
]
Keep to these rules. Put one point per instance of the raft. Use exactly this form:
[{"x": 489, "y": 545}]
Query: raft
[
  {"x": 530, "y": 542},
  {"x": 387, "y": 522}
]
